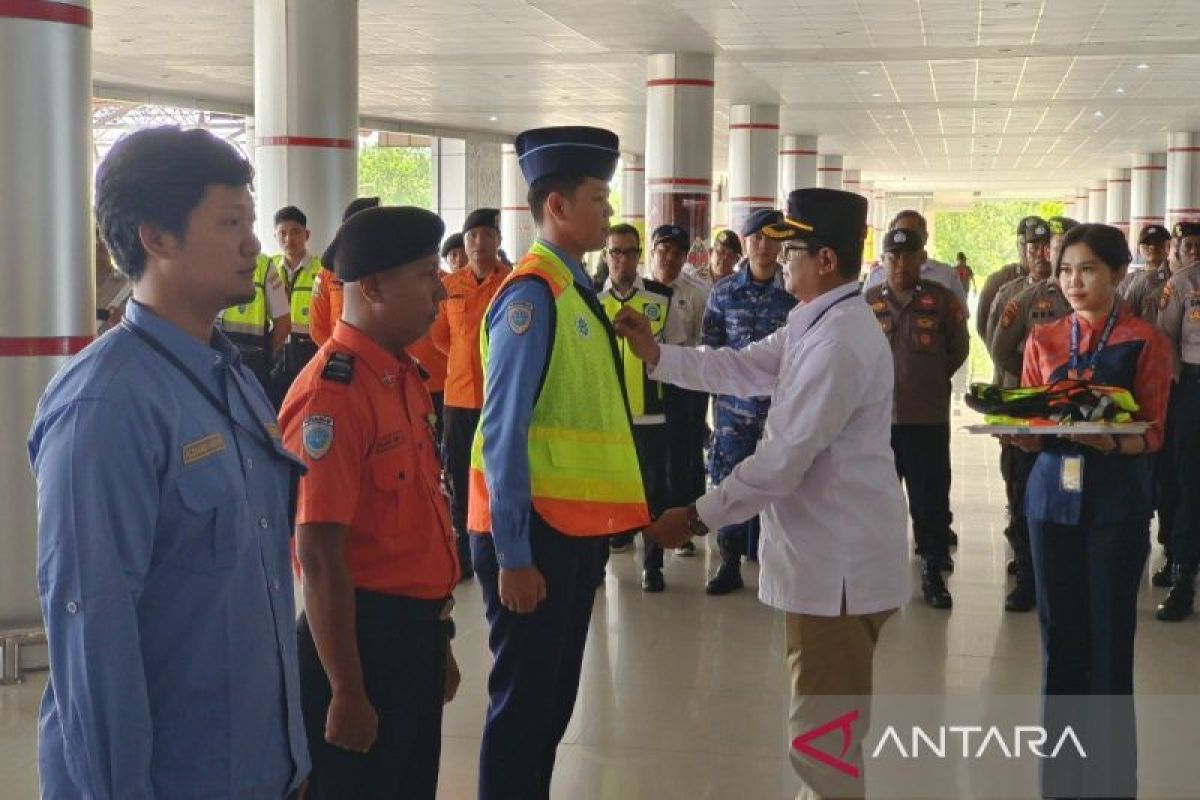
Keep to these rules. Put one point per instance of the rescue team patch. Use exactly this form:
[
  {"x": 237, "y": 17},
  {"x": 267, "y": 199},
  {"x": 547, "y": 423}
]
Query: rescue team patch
[
  {"x": 317, "y": 435},
  {"x": 1010, "y": 314},
  {"x": 339, "y": 368},
  {"x": 653, "y": 312},
  {"x": 519, "y": 317},
  {"x": 203, "y": 448}
]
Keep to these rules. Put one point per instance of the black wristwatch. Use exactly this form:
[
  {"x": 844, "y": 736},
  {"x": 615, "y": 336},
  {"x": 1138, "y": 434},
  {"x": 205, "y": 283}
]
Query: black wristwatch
[{"x": 695, "y": 525}]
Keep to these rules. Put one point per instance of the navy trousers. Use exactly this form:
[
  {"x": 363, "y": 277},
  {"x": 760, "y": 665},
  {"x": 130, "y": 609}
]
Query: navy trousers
[{"x": 537, "y": 659}]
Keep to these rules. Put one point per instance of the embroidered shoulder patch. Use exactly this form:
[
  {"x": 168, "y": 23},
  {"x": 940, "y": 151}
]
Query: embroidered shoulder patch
[
  {"x": 519, "y": 317},
  {"x": 1168, "y": 290},
  {"x": 203, "y": 448},
  {"x": 1010, "y": 314},
  {"x": 317, "y": 434},
  {"x": 653, "y": 312},
  {"x": 339, "y": 368}
]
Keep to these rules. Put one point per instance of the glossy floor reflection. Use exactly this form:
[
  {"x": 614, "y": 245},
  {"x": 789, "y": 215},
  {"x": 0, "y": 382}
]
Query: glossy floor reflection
[{"x": 684, "y": 696}]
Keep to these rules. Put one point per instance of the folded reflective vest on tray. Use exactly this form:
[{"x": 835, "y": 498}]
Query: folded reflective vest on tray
[{"x": 1059, "y": 403}]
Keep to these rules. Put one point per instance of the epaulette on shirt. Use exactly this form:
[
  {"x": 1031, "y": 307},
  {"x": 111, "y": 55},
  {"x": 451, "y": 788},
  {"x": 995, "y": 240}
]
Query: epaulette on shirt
[{"x": 339, "y": 368}]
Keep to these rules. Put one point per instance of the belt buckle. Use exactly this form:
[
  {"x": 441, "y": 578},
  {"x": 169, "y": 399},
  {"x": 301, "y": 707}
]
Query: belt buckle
[{"x": 447, "y": 609}]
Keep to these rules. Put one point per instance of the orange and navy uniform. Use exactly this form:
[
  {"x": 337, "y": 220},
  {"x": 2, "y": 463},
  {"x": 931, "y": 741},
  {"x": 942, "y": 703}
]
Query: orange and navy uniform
[{"x": 362, "y": 421}]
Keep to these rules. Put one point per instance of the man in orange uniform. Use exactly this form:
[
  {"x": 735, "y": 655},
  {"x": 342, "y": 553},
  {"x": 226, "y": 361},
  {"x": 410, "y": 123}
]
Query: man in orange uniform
[
  {"x": 325, "y": 309},
  {"x": 456, "y": 333},
  {"x": 373, "y": 540}
]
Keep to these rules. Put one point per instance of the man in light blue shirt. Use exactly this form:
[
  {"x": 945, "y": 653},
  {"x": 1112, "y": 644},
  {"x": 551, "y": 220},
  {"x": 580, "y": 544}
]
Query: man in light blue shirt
[
  {"x": 164, "y": 498},
  {"x": 931, "y": 270}
]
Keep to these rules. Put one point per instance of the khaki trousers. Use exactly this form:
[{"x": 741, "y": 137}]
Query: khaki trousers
[{"x": 831, "y": 660}]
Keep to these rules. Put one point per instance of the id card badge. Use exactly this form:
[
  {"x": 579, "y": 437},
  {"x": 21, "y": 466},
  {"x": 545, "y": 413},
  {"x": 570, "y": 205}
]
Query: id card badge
[{"x": 1072, "y": 474}]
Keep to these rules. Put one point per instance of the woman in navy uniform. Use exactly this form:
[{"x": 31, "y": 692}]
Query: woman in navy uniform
[{"x": 1089, "y": 502}]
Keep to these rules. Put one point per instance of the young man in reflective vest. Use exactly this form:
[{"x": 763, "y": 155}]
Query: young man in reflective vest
[
  {"x": 259, "y": 329},
  {"x": 647, "y": 398},
  {"x": 298, "y": 270},
  {"x": 554, "y": 471}
]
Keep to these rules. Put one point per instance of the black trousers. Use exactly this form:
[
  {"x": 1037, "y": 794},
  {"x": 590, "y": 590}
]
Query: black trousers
[
  {"x": 686, "y": 412},
  {"x": 439, "y": 410},
  {"x": 1179, "y": 471},
  {"x": 1015, "y": 466},
  {"x": 652, "y": 442},
  {"x": 536, "y": 660},
  {"x": 456, "y": 445},
  {"x": 1087, "y": 585},
  {"x": 402, "y": 645},
  {"x": 922, "y": 454}
]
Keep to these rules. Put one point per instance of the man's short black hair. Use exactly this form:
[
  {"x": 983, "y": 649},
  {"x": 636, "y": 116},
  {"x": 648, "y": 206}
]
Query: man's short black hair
[
  {"x": 625, "y": 229},
  {"x": 911, "y": 213},
  {"x": 543, "y": 187},
  {"x": 291, "y": 214},
  {"x": 157, "y": 177}
]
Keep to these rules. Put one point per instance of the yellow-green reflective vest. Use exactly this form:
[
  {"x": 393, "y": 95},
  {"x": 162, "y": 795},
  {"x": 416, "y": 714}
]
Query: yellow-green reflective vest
[
  {"x": 300, "y": 292},
  {"x": 583, "y": 468},
  {"x": 653, "y": 300},
  {"x": 248, "y": 320}
]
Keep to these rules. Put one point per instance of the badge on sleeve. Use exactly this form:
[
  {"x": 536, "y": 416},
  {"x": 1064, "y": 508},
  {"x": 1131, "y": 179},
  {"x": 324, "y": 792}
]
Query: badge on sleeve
[
  {"x": 1010, "y": 314},
  {"x": 519, "y": 317},
  {"x": 317, "y": 435}
]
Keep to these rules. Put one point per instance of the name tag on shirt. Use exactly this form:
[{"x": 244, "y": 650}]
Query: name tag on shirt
[
  {"x": 1072, "y": 474},
  {"x": 203, "y": 448}
]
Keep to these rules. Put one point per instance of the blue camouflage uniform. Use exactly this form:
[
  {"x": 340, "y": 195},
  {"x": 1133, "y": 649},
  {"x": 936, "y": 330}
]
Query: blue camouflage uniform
[{"x": 740, "y": 311}]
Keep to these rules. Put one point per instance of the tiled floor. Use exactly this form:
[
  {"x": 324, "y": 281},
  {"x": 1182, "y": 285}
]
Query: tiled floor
[{"x": 684, "y": 696}]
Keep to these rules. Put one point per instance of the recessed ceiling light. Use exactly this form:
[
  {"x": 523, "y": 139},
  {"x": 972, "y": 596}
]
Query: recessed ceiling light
[
  {"x": 1143, "y": 66},
  {"x": 1098, "y": 114},
  {"x": 493, "y": 119},
  {"x": 864, "y": 72},
  {"x": 1120, "y": 90},
  {"x": 876, "y": 94}
]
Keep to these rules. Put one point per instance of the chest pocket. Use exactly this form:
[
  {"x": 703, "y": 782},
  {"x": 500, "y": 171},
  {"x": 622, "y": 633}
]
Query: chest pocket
[
  {"x": 456, "y": 308},
  {"x": 925, "y": 337},
  {"x": 207, "y": 527}
]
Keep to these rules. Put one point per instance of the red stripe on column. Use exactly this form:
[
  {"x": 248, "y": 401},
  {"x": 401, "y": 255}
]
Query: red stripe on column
[
  {"x": 752, "y": 199},
  {"x": 1152, "y": 168},
  {"x": 797, "y": 152},
  {"x": 1144, "y": 219},
  {"x": 1183, "y": 210},
  {"x": 635, "y": 169},
  {"x": 679, "y": 181},
  {"x": 829, "y": 169},
  {"x": 45, "y": 11},
  {"x": 514, "y": 208},
  {"x": 307, "y": 141},
  {"x": 1183, "y": 149},
  {"x": 753, "y": 126},
  {"x": 43, "y": 345},
  {"x": 1121, "y": 180},
  {"x": 681, "y": 82}
]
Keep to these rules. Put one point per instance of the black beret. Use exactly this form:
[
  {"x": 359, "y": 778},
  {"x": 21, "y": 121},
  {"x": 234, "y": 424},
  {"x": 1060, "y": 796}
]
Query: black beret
[
  {"x": 567, "y": 150},
  {"x": 828, "y": 216},
  {"x": 482, "y": 218},
  {"x": 729, "y": 240},
  {"x": 359, "y": 204},
  {"x": 1154, "y": 233},
  {"x": 1187, "y": 228},
  {"x": 902, "y": 240},
  {"x": 453, "y": 242},
  {"x": 671, "y": 233},
  {"x": 380, "y": 239}
]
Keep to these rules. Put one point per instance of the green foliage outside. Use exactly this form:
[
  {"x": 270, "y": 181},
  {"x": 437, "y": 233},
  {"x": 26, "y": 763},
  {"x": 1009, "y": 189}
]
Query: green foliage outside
[{"x": 400, "y": 176}]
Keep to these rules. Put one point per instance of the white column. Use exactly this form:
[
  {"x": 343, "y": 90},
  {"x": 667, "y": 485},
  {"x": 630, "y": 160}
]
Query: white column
[
  {"x": 829, "y": 171},
  {"x": 797, "y": 165},
  {"x": 633, "y": 193},
  {"x": 878, "y": 215},
  {"x": 753, "y": 163},
  {"x": 1081, "y": 204},
  {"x": 1147, "y": 192},
  {"x": 48, "y": 307},
  {"x": 516, "y": 223},
  {"x": 852, "y": 180},
  {"x": 679, "y": 135},
  {"x": 1098, "y": 201},
  {"x": 1183, "y": 178},
  {"x": 1069, "y": 206},
  {"x": 306, "y": 111},
  {"x": 449, "y": 174},
  {"x": 1117, "y": 199}
]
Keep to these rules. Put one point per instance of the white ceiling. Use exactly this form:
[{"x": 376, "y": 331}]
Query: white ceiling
[{"x": 998, "y": 96}]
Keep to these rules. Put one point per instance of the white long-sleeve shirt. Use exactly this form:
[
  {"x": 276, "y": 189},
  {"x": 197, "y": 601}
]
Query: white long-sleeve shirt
[{"x": 823, "y": 476}]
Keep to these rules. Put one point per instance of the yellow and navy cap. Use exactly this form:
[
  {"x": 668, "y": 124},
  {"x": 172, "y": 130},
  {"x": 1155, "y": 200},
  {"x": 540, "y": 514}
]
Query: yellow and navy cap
[{"x": 827, "y": 216}]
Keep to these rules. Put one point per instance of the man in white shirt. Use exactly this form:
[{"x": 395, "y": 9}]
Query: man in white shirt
[{"x": 834, "y": 547}]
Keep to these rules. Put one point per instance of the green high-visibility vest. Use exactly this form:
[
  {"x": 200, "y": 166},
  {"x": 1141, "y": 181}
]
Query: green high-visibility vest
[{"x": 653, "y": 300}]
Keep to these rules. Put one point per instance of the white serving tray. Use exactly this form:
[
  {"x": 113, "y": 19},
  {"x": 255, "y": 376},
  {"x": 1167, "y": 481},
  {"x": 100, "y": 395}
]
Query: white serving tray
[{"x": 1061, "y": 430}]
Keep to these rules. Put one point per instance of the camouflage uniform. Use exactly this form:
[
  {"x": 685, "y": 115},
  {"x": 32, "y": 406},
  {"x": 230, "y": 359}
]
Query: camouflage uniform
[{"x": 740, "y": 311}]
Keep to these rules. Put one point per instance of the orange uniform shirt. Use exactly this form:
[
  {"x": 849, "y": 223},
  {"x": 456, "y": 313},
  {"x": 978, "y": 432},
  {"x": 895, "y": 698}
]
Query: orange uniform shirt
[
  {"x": 325, "y": 307},
  {"x": 362, "y": 420},
  {"x": 432, "y": 360},
  {"x": 456, "y": 333}
]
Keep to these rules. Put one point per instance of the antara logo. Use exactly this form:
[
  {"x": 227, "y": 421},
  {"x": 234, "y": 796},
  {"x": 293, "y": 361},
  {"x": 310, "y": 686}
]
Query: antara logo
[
  {"x": 977, "y": 741},
  {"x": 844, "y": 723}
]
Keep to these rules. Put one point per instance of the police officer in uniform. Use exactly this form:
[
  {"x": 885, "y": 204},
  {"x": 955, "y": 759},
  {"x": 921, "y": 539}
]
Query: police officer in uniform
[
  {"x": 743, "y": 308},
  {"x": 994, "y": 282},
  {"x": 1036, "y": 299},
  {"x": 927, "y": 330},
  {"x": 1179, "y": 319},
  {"x": 647, "y": 398},
  {"x": 554, "y": 470},
  {"x": 1143, "y": 289},
  {"x": 373, "y": 538}
]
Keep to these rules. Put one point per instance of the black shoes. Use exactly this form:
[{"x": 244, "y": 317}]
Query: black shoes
[
  {"x": 652, "y": 580},
  {"x": 1164, "y": 576},
  {"x": 463, "y": 546},
  {"x": 1023, "y": 597},
  {"x": 728, "y": 578},
  {"x": 933, "y": 585},
  {"x": 1181, "y": 602}
]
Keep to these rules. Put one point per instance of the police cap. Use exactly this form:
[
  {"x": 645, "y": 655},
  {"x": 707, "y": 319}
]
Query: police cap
[
  {"x": 828, "y": 216},
  {"x": 671, "y": 233},
  {"x": 901, "y": 240},
  {"x": 567, "y": 150}
]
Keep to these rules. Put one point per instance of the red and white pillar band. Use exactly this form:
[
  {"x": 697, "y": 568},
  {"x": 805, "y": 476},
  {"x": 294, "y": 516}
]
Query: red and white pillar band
[
  {"x": 48, "y": 307},
  {"x": 829, "y": 172},
  {"x": 1098, "y": 201},
  {"x": 1117, "y": 199},
  {"x": 306, "y": 111},
  {"x": 679, "y": 134},
  {"x": 1183, "y": 178},
  {"x": 633, "y": 193},
  {"x": 1147, "y": 192},
  {"x": 516, "y": 223},
  {"x": 797, "y": 165},
  {"x": 753, "y": 165}
]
